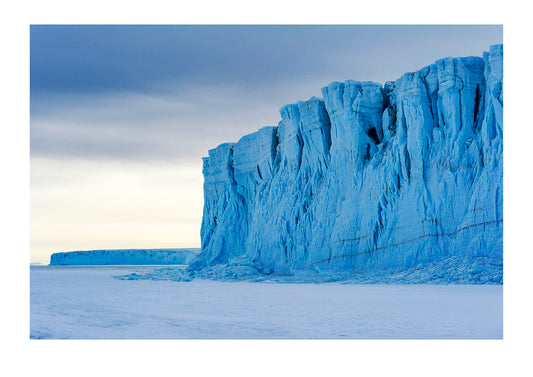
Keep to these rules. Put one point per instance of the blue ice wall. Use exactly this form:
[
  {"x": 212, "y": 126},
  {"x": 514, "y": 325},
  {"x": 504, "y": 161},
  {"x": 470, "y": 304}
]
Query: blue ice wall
[{"x": 367, "y": 177}]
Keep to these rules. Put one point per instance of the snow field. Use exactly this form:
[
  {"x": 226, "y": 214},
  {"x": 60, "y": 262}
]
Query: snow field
[{"x": 89, "y": 303}]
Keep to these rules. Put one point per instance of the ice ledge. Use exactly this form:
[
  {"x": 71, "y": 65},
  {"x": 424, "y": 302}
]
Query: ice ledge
[
  {"x": 124, "y": 257},
  {"x": 454, "y": 270}
]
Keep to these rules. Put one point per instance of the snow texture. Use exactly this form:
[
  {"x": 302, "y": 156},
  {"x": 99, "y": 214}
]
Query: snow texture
[
  {"x": 368, "y": 178},
  {"x": 124, "y": 257},
  {"x": 87, "y": 303}
]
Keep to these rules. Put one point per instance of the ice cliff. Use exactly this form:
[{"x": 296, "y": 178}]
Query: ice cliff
[
  {"x": 369, "y": 177},
  {"x": 123, "y": 257}
]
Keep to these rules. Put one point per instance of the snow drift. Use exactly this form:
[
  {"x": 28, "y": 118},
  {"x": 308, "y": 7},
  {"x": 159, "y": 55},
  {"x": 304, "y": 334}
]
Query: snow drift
[
  {"x": 370, "y": 177},
  {"x": 123, "y": 257}
]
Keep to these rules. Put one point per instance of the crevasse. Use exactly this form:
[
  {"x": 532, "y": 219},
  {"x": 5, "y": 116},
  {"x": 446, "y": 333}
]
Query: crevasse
[{"x": 370, "y": 177}]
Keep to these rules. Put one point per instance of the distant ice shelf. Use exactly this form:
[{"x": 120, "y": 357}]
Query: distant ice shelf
[{"x": 124, "y": 257}]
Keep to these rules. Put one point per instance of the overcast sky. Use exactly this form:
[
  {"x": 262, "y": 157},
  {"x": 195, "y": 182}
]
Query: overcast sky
[{"x": 121, "y": 115}]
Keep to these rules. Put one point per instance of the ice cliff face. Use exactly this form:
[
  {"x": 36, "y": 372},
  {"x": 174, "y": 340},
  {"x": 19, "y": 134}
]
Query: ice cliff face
[{"x": 368, "y": 177}]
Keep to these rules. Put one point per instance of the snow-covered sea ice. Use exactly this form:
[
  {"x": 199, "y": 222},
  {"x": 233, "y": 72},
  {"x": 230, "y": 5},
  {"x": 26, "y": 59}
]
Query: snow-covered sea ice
[{"x": 89, "y": 303}]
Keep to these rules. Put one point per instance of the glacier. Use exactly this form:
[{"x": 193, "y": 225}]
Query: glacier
[
  {"x": 124, "y": 257},
  {"x": 368, "y": 178}
]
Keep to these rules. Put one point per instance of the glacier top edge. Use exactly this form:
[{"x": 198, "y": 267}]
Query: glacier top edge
[{"x": 289, "y": 110}]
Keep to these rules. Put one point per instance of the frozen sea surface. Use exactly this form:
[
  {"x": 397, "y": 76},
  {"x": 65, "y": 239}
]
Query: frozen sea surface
[{"x": 89, "y": 303}]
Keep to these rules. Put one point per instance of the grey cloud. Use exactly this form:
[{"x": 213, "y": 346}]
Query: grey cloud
[
  {"x": 138, "y": 126},
  {"x": 180, "y": 119}
]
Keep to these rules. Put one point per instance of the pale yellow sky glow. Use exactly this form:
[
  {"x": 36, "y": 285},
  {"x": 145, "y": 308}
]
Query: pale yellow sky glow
[{"x": 84, "y": 204}]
